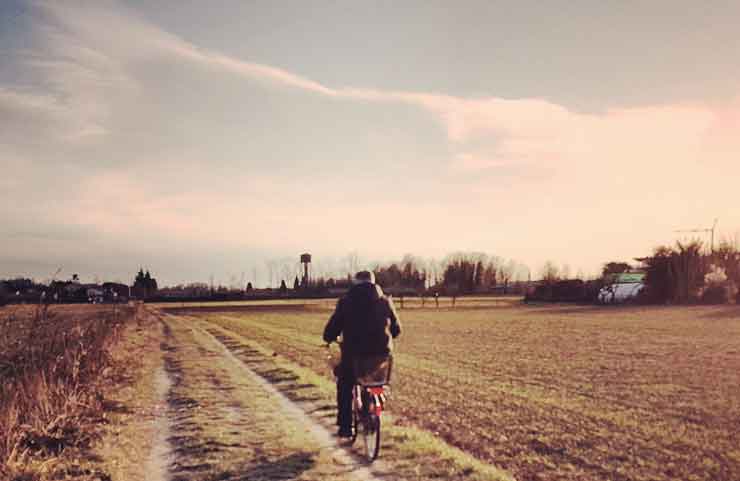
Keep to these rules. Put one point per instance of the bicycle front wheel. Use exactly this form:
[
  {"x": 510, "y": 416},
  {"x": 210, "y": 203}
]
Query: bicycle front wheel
[{"x": 371, "y": 433}]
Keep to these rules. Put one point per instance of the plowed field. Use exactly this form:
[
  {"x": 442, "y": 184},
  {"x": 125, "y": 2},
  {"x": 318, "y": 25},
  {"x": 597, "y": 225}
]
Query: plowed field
[{"x": 576, "y": 393}]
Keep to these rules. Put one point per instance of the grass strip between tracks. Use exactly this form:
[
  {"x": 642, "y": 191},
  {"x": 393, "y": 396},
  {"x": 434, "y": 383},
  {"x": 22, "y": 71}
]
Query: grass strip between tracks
[{"x": 411, "y": 452}]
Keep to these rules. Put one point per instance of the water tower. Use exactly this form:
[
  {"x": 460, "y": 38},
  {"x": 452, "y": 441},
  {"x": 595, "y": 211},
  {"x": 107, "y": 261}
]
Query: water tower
[{"x": 305, "y": 260}]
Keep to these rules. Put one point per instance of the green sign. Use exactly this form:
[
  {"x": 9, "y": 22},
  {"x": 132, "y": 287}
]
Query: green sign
[{"x": 630, "y": 277}]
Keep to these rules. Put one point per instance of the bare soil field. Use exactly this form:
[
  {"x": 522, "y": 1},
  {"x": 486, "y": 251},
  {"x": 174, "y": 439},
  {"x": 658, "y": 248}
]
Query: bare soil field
[
  {"x": 549, "y": 392},
  {"x": 228, "y": 391}
]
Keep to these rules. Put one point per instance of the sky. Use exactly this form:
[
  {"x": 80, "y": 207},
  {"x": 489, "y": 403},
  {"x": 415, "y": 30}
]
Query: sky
[{"x": 204, "y": 140}]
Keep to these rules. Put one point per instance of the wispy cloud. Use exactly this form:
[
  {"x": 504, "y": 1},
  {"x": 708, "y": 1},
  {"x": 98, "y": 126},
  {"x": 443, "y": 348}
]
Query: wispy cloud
[
  {"x": 515, "y": 165},
  {"x": 513, "y": 130},
  {"x": 20, "y": 101}
]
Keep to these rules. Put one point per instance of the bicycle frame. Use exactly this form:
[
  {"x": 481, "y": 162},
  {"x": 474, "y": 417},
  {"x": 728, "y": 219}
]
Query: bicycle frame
[
  {"x": 369, "y": 396},
  {"x": 368, "y": 403}
]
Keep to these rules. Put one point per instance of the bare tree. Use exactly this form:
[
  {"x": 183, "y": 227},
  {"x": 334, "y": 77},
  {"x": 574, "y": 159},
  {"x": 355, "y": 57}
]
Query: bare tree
[
  {"x": 506, "y": 272},
  {"x": 550, "y": 272},
  {"x": 489, "y": 274},
  {"x": 272, "y": 271},
  {"x": 565, "y": 272},
  {"x": 289, "y": 267},
  {"x": 353, "y": 262},
  {"x": 432, "y": 271},
  {"x": 522, "y": 272},
  {"x": 319, "y": 268}
]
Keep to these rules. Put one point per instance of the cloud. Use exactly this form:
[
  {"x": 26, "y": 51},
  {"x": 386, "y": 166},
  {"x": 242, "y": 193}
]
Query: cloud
[
  {"x": 504, "y": 131},
  {"x": 72, "y": 81},
  {"x": 527, "y": 165},
  {"x": 19, "y": 101},
  {"x": 468, "y": 161},
  {"x": 20, "y": 110},
  {"x": 123, "y": 34}
]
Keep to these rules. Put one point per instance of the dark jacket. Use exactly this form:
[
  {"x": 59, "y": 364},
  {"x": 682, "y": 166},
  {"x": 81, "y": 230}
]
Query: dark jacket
[{"x": 367, "y": 321}]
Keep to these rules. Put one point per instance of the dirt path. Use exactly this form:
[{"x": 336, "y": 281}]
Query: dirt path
[
  {"x": 201, "y": 402},
  {"x": 160, "y": 456},
  {"x": 226, "y": 422},
  {"x": 319, "y": 431}
]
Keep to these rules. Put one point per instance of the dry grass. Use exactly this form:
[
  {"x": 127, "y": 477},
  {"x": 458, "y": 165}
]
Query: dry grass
[
  {"x": 226, "y": 427},
  {"x": 51, "y": 361},
  {"x": 556, "y": 392},
  {"x": 137, "y": 405},
  {"x": 407, "y": 453},
  {"x": 409, "y": 302}
]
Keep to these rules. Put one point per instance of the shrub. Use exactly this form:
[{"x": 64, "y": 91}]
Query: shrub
[
  {"x": 573, "y": 290},
  {"x": 675, "y": 275},
  {"x": 50, "y": 365},
  {"x": 715, "y": 294}
]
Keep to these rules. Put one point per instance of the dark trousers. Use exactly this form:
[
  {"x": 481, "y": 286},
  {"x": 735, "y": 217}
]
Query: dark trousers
[{"x": 345, "y": 383}]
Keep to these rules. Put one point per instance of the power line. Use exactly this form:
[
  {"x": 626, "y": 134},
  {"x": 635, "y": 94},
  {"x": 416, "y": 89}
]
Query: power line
[{"x": 708, "y": 230}]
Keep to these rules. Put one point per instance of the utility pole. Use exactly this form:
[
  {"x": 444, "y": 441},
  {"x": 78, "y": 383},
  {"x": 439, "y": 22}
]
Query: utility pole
[{"x": 709, "y": 231}]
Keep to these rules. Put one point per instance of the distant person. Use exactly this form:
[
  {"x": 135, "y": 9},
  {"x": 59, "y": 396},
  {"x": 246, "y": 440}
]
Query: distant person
[{"x": 367, "y": 322}]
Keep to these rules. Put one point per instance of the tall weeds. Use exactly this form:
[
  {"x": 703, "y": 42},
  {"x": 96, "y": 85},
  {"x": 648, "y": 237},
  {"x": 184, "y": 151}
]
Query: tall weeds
[{"x": 50, "y": 365}]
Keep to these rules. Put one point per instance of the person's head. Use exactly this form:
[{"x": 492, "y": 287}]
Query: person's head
[{"x": 364, "y": 277}]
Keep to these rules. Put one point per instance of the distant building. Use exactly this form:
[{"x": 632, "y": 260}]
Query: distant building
[
  {"x": 620, "y": 288},
  {"x": 94, "y": 293},
  {"x": 116, "y": 292}
]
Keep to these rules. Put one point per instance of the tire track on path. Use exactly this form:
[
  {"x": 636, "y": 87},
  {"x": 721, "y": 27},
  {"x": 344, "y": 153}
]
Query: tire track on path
[
  {"x": 327, "y": 441},
  {"x": 228, "y": 423},
  {"x": 160, "y": 457}
]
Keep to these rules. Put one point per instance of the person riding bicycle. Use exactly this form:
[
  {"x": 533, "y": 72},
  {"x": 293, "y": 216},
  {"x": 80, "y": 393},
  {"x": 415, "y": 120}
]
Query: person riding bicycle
[{"x": 367, "y": 322}]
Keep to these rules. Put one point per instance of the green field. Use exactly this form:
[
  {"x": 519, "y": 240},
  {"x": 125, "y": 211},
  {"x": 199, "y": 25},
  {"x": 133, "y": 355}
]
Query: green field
[{"x": 549, "y": 392}]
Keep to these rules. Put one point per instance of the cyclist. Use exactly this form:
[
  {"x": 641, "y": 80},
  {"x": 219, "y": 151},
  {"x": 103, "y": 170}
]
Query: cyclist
[{"x": 367, "y": 322}]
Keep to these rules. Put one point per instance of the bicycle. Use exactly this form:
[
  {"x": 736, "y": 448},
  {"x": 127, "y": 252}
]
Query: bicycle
[{"x": 369, "y": 396}]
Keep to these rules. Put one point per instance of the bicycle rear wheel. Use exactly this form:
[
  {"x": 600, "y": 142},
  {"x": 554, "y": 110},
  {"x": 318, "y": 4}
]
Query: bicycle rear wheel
[{"x": 371, "y": 434}]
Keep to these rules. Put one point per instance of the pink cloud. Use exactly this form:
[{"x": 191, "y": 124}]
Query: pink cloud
[
  {"x": 468, "y": 161},
  {"x": 646, "y": 169},
  {"x": 513, "y": 130}
]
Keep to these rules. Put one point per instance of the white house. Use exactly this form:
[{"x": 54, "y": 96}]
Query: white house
[{"x": 624, "y": 288}]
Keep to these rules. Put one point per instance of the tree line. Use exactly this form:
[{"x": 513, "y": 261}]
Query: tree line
[
  {"x": 685, "y": 273},
  {"x": 456, "y": 273}
]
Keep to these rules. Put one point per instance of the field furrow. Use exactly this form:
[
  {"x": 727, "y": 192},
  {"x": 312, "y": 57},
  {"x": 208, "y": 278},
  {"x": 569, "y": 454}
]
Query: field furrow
[{"x": 554, "y": 393}]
